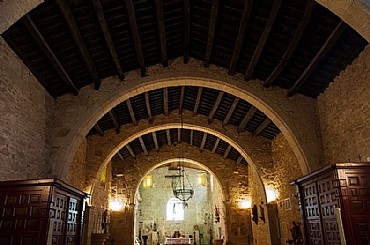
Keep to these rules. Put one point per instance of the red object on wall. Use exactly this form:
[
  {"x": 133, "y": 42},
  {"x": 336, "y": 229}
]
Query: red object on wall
[{"x": 345, "y": 186}]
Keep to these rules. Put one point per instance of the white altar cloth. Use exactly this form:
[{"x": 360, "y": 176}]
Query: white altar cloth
[{"x": 180, "y": 240}]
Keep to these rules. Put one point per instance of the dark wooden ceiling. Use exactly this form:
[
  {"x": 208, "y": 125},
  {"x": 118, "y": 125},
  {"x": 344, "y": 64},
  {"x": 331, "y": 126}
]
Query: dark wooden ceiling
[{"x": 295, "y": 44}]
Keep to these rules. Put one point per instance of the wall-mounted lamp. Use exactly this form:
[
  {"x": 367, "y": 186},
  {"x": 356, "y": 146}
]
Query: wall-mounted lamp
[
  {"x": 245, "y": 203},
  {"x": 148, "y": 181},
  {"x": 271, "y": 193}
]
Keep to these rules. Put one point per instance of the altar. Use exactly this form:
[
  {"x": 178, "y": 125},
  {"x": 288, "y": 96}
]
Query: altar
[{"x": 181, "y": 240}]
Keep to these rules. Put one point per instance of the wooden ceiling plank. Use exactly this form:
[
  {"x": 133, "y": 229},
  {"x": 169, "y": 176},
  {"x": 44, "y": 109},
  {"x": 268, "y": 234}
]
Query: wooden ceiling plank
[
  {"x": 77, "y": 37},
  {"x": 98, "y": 129},
  {"x": 165, "y": 101},
  {"x": 211, "y": 31},
  {"x": 131, "y": 110},
  {"x": 292, "y": 45},
  {"x": 329, "y": 43},
  {"x": 161, "y": 31},
  {"x": 154, "y": 135},
  {"x": 231, "y": 111},
  {"x": 168, "y": 135},
  {"x": 147, "y": 103},
  {"x": 261, "y": 127},
  {"x": 143, "y": 146},
  {"x": 132, "y": 153},
  {"x": 227, "y": 151},
  {"x": 261, "y": 43},
  {"x": 36, "y": 34},
  {"x": 241, "y": 34},
  {"x": 182, "y": 96},
  {"x": 215, "y": 145},
  {"x": 186, "y": 30},
  {"x": 197, "y": 101},
  {"x": 108, "y": 39},
  {"x": 215, "y": 106},
  {"x": 247, "y": 118},
  {"x": 135, "y": 34},
  {"x": 115, "y": 121},
  {"x": 191, "y": 137},
  {"x": 203, "y": 143}
]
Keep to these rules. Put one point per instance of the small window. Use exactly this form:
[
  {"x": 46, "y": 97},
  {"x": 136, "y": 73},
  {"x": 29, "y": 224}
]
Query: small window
[{"x": 175, "y": 209}]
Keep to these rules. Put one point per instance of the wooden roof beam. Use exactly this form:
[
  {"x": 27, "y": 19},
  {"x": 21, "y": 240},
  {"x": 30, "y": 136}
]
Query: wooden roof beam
[
  {"x": 72, "y": 25},
  {"x": 203, "y": 143},
  {"x": 168, "y": 135},
  {"x": 161, "y": 31},
  {"x": 115, "y": 121},
  {"x": 191, "y": 137},
  {"x": 292, "y": 45},
  {"x": 247, "y": 118},
  {"x": 147, "y": 103},
  {"x": 179, "y": 135},
  {"x": 154, "y": 135},
  {"x": 211, "y": 31},
  {"x": 215, "y": 145},
  {"x": 132, "y": 153},
  {"x": 241, "y": 34},
  {"x": 143, "y": 146},
  {"x": 197, "y": 101},
  {"x": 329, "y": 43},
  {"x": 108, "y": 39},
  {"x": 261, "y": 127},
  {"x": 227, "y": 152},
  {"x": 135, "y": 34},
  {"x": 36, "y": 34},
  {"x": 215, "y": 106},
  {"x": 120, "y": 156},
  {"x": 186, "y": 30},
  {"x": 240, "y": 159},
  {"x": 131, "y": 110},
  {"x": 261, "y": 43},
  {"x": 98, "y": 129},
  {"x": 165, "y": 101},
  {"x": 231, "y": 111},
  {"x": 182, "y": 96}
]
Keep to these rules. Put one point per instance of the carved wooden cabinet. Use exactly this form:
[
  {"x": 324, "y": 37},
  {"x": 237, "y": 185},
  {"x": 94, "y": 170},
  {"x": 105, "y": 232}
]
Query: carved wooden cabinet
[
  {"x": 338, "y": 191},
  {"x": 46, "y": 211}
]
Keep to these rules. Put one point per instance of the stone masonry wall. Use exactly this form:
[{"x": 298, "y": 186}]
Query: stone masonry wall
[
  {"x": 286, "y": 169},
  {"x": 25, "y": 120},
  {"x": 77, "y": 173},
  {"x": 344, "y": 111}
]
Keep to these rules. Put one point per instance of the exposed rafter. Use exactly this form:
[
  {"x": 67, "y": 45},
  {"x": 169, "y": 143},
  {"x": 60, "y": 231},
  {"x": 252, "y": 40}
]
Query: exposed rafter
[
  {"x": 197, "y": 101},
  {"x": 262, "y": 126},
  {"x": 168, "y": 135},
  {"x": 120, "y": 156},
  {"x": 191, "y": 137},
  {"x": 98, "y": 129},
  {"x": 147, "y": 103},
  {"x": 211, "y": 31},
  {"x": 131, "y": 110},
  {"x": 203, "y": 143},
  {"x": 72, "y": 25},
  {"x": 154, "y": 135},
  {"x": 165, "y": 101},
  {"x": 330, "y": 41},
  {"x": 215, "y": 106},
  {"x": 227, "y": 151},
  {"x": 179, "y": 135},
  {"x": 31, "y": 27},
  {"x": 130, "y": 150},
  {"x": 215, "y": 145},
  {"x": 161, "y": 31},
  {"x": 108, "y": 39},
  {"x": 246, "y": 118},
  {"x": 292, "y": 45},
  {"x": 115, "y": 121},
  {"x": 261, "y": 43},
  {"x": 240, "y": 159},
  {"x": 186, "y": 30},
  {"x": 231, "y": 111},
  {"x": 143, "y": 146},
  {"x": 241, "y": 34},
  {"x": 182, "y": 95},
  {"x": 135, "y": 34}
]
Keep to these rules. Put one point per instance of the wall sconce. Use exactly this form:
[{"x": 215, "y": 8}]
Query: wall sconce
[
  {"x": 148, "y": 181},
  {"x": 245, "y": 203},
  {"x": 271, "y": 194},
  {"x": 201, "y": 180}
]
